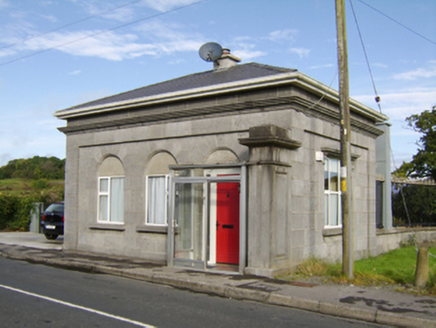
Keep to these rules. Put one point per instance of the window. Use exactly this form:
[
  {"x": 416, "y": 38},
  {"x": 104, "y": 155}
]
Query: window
[
  {"x": 156, "y": 199},
  {"x": 332, "y": 193},
  {"x": 111, "y": 199}
]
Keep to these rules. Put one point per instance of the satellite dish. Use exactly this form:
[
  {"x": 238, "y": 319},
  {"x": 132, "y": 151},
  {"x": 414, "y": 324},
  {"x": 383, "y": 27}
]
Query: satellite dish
[{"x": 210, "y": 51}]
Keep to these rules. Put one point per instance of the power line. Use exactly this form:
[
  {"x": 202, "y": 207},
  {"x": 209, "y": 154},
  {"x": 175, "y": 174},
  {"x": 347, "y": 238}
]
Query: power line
[
  {"x": 325, "y": 92},
  {"x": 377, "y": 97},
  {"x": 397, "y": 22},
  {"x": 69, "y": 24},
  {"x": 100, "y": 32}
]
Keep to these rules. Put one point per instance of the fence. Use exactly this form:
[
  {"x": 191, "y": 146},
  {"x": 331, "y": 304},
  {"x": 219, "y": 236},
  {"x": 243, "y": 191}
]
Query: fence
[{"x": 413, "y": 202}]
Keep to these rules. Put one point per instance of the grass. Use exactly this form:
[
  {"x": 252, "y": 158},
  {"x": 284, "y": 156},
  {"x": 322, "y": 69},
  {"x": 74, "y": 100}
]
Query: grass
[
  {"x": 46, "y": 191},
  {"x": 396, "y": 267},
  {"x": 13, "y": 186}
]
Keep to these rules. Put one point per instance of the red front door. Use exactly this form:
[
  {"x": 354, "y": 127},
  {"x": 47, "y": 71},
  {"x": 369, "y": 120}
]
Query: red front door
[{"x": 227, "y": 231}]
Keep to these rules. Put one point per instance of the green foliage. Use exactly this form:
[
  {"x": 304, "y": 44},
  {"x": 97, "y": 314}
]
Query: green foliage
[
  {"x": 39, "y": 184},
  {"x": 395, "y": 267},
  {"x": 423, "y": 164},
  {"x": 421, "y": 205},
  {"x": 34, "y": 168},
  {"x": 404, "y": 171},
  {"x": 15, "y": 212},
  {"x": 17, "y": 196},
  {"x": 398, "y": 265}
]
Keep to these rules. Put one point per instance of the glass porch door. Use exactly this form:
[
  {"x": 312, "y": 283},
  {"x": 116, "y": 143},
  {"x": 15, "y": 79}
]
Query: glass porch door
[
  {"x": 189, "y": 227},
  {"x": 205, "y": 229}
]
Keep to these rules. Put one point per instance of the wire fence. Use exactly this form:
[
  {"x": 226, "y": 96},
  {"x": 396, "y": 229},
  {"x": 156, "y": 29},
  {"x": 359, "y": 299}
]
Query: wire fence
[{"x": 414, "y": 204}]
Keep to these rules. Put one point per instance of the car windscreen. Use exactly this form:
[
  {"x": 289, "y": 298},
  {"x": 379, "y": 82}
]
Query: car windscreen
[{"x": 55, "y": 208}]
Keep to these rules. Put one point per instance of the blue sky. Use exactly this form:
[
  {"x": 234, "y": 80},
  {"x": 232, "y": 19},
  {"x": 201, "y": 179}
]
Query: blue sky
[{"x": 111, "y": 50}]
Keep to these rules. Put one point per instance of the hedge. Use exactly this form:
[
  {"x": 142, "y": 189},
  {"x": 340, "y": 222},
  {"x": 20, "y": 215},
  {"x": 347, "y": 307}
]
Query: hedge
[{"x": 15, "y": 212}]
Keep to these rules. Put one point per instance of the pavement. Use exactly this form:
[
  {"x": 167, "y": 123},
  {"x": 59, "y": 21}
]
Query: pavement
[{"x": 370, "y": 304}]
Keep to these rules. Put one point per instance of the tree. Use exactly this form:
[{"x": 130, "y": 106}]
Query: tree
[
  {"x": 420, "y": 202},
  {"x": 34, "y": 168},
  {"x": 423, "y": 164}
]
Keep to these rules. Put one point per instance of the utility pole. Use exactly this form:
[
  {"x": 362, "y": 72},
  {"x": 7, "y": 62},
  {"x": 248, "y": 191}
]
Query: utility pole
[{"x": 346, "y": 199}]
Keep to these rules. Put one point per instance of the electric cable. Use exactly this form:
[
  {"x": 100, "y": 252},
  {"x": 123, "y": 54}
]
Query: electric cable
[
  {"x": 377, "y": 97},
  {"x": 325, "y": 93},
  {"x": 397, "y": 22},
  {"x": 415, "y": 242},
  {"x": 69, "y": 24},
  {"x": 101, "y": 32}
]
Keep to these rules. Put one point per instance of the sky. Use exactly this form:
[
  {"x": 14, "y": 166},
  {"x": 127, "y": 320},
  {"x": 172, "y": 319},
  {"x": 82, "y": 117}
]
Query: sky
[{"x": 55, "y": 54}]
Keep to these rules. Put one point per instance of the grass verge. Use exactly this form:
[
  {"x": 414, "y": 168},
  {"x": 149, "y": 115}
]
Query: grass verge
[{"x": 394, "y": 268}]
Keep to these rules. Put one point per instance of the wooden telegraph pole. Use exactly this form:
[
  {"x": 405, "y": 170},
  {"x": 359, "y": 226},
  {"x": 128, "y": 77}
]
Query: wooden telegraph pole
[{"x": 347, "y": 226}]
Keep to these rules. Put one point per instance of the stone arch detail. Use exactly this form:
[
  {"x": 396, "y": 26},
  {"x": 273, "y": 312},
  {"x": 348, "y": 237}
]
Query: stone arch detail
[
  {"x": 111, "y": 166},
  {"x": 159, "y": 163},
  {"x": 222, "y": 156}
]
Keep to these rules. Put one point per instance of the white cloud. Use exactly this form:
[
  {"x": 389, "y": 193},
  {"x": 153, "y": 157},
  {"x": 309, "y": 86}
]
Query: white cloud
[
  {"x": 108, "y": 45},
  {"x": 165, "y": 5},
  {"x": 283, "y": 35},
  {"x": 19, "y": 139},
  {"x": 246, "y": 54},
  {"x": 108, "y": 10},
  {"x": 322, "y": 66},
  {"x": 301, "y": 52},
  {"x": 163, "y": 39},
  {"x": 245, "y": 50},
  {"x": 16, "y": 32},
  {"x": 76, "y": 72},
  {"x": 158, "y": 31},
  {"x": 398, "y": 105},
  {"x": 6, "y": 52},
  {"x": 122, "y": 14},
  {"x": 402, "y": 103},
  {"x": 417, "y": 73},
  {"x": 49, "y": 18}
]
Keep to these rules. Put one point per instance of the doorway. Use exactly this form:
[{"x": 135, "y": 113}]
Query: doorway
[
  {"x": 227, "y": 223},
  {"x": 207, "y": 219}
]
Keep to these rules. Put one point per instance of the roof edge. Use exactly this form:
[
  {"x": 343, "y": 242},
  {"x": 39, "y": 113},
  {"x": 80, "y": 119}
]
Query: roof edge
[{"x": 295, "y": 76}]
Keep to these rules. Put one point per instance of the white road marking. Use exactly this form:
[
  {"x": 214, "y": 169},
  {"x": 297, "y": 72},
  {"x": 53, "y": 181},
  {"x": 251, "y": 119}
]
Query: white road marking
[{"x": 133, "y": 322}]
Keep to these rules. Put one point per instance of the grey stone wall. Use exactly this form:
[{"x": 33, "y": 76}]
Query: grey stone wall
[{"x": 285, "y": 198}]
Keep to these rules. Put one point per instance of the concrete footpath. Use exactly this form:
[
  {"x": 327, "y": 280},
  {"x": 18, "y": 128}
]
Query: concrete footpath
[{"x": 376, "y": 305}]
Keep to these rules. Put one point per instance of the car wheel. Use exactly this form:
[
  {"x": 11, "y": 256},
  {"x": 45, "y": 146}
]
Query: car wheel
[{"x": 50, "y": 236}]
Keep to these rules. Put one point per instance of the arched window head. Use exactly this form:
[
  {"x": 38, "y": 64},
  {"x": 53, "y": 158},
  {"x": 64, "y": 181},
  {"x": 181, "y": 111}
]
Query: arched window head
[
  {"x": 156, "y": 186},
  {"x": 111, "y": 191}
]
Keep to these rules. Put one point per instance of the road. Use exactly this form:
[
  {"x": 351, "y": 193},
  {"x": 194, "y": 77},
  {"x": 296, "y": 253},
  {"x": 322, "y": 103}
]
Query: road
[{"x": 33, "y": 295}]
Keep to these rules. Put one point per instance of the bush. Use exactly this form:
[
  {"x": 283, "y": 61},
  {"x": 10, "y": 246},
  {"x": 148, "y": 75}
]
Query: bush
[
  {"x": 416, "y": 203},
  {"x": 39, "y": 184},
  {"x": 15, "y": 213}
]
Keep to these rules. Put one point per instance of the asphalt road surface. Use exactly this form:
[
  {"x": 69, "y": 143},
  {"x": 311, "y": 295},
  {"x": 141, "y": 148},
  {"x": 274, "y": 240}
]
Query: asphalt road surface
[{"x": 33, "y": 295}]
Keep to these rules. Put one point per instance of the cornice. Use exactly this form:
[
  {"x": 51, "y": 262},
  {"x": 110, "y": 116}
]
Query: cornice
[
  {"x": 289, "y": 78},
  {"x": 279, "y": 103}
]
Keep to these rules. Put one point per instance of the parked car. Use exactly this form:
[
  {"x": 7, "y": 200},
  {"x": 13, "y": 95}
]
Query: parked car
[{"x": 53, "y": 221}]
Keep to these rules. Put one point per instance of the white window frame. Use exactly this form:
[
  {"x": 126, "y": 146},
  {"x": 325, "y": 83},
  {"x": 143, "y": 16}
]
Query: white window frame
[
  {"x": 152, "y": 221},
  {"x": 108, "y": 195},
  {"x": 330, "y": 222}
]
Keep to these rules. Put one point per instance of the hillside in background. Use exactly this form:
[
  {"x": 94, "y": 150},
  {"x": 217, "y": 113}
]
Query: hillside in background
[
  {"x": 35, "y": 168},
  {"x": 24, "y": 182}
]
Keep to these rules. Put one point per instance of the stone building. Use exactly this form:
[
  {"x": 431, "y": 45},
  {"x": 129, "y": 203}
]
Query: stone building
[{"x": 235, "y": 169}]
